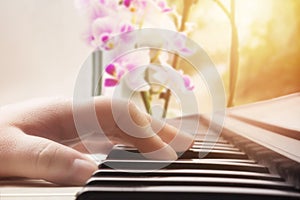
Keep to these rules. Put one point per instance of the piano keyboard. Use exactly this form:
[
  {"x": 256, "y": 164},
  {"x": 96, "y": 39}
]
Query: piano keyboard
[{"x": 233, "y": 168}]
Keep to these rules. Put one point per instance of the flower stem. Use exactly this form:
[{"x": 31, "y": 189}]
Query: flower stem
[
  {"x": 147, "y": 101},
  {"x": 185, "y": 13},
  {"x": 167, "y": 99},
  {"x": 234, "y": 57},
  {"x": 234, "y": 53}
]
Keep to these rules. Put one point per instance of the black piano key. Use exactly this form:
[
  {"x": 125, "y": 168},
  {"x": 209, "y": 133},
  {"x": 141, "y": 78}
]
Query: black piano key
[
  {"x": 133, "y": 153},
  {"x": 210, "y": 141},
  {"x": 223, "y": 160},
  {"x": 127, "y": 154},
  {"x": 184, "y": 192},
  {"x": 188, "y": 173},
  {"x": 214, "y": 147},
  {"x": 200, "y": 144},
  {"x": 182, "y": 164},
  {"x": 204, "y": 153},
  {"x": 205, "y": 135},
  {"x": 187, "y": 181}
]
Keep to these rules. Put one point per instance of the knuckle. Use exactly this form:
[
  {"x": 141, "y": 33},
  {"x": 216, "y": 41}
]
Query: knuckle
[
  {"x": 45, "y": 156},
  {"x": 8, "y": 143}
]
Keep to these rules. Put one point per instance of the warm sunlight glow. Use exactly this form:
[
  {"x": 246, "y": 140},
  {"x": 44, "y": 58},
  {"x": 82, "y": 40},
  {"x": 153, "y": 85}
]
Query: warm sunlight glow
[
  {"x": 250, "y": 14},
  {"x": 269, "y": 45}
]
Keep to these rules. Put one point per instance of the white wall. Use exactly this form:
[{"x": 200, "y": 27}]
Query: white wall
[{"x": 40, "y": 48}]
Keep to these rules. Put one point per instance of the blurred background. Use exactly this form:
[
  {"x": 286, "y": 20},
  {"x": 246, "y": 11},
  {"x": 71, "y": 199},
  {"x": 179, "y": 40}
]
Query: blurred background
[
  {"x": 41, "y": 48},
  {"x": 269, "y": 45}
]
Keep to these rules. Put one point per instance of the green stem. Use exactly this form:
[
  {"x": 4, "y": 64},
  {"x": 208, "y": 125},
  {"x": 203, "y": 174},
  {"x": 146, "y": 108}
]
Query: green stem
[
  {"x": 167, "y": 98},
  {"x": 146, "y": 101}
]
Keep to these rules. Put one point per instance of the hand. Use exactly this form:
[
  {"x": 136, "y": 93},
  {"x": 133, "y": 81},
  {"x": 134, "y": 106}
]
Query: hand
[{"x": 33, "y": 135}]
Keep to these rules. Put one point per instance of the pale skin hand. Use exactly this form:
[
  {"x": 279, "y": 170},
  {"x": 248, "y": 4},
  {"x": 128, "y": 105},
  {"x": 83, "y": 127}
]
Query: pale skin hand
[{"x": 31, "y": 136}]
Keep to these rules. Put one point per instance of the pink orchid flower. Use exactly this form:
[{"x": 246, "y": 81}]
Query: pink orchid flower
[
  {"x": 178, "y": 43},
  {"x": 116, "y": 72},
  {"x": 187, "y": 82},
  {"x": 132, "y": 66},
  {"x": 167, "y": 76},
  {"x": 105, "y": 29},
  {"x": 164, "y": 58},
  {"x": 162, "y": 4}
]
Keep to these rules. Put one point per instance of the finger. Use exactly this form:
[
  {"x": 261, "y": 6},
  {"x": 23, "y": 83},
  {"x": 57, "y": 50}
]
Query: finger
[
  {"x": 151, "y": 147},
  {"x": 179, "y": 140},
  {"x": 131, "y": 120},
  {"x": 35, "y": 157},
  {"x": 114, "y": 117},
  {"x": 90, "y": 143},
  {"x": 154, "y": 148},
  {"x": 92, "y": 147},
  {"x": 146, "y": 140}
]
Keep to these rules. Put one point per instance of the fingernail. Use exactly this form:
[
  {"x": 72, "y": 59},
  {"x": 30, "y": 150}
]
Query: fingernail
[
  {"x": 82, "y": 170},
  {"x": 165, "y": 153}
]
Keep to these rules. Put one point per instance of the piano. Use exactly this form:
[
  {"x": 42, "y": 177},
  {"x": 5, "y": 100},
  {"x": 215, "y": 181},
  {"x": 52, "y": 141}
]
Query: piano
[{"x": 257, "y": 156}]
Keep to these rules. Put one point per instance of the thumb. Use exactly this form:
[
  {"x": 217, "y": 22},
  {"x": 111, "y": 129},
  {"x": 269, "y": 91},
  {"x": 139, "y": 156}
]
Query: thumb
[{"x": 35, "y": 157}]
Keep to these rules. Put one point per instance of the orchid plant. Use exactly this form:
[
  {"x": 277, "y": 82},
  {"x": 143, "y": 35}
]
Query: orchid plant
[{"x": 109, "y": 18}]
